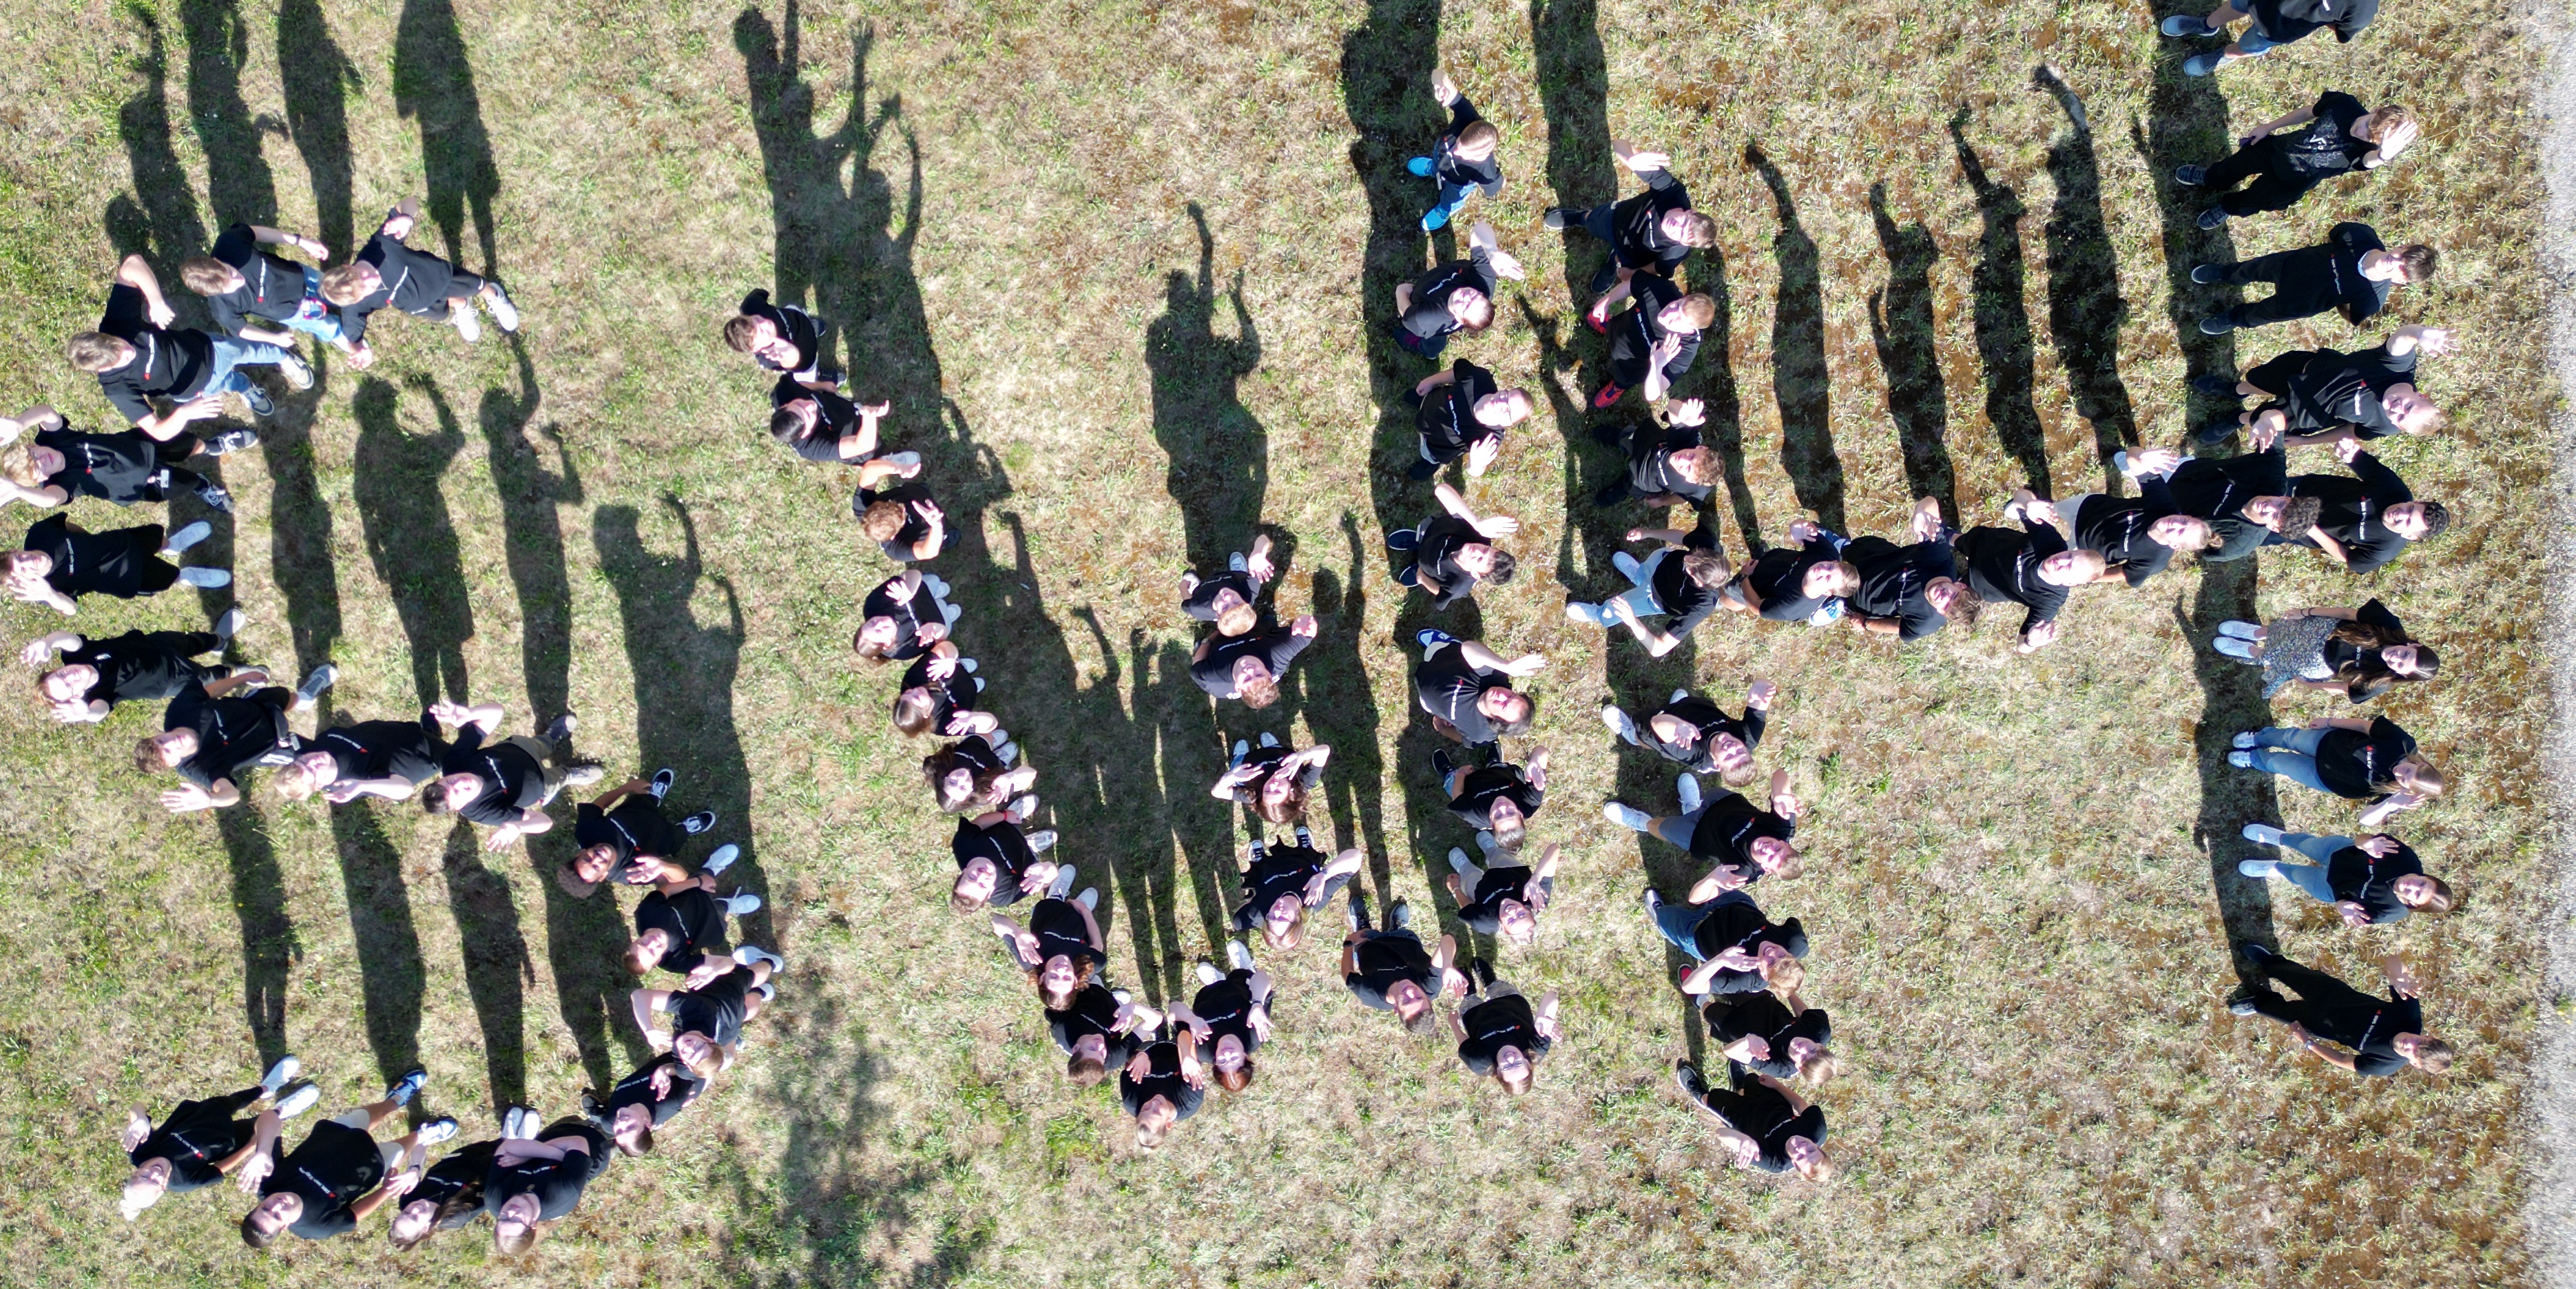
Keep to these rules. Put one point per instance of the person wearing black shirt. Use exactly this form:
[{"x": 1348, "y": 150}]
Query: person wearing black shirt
[
  {"x": 341, "y": 1174},
  {"x": 1463, "y": 161},
  {"x": 448, "y": 1197},
  {"x": 821, "y": 426},
  {"x": 1230, "y": 1015},
  {"x": 63, "y": 562},
  {"x": 213, "y": 740},
  {"x": 2340, "y": 136},
  {"x": 904, "y": 617},
  {"x": 1455, "y": 550},
  {"x": 1667, "y": 465},
  {"x": 1500, "y": 1034},
  {"x": 2246, "y": 498},
  {"x": 2276, "y": 23},
  {"x": 1737, "y": 949},
  {"x": 138, "y": 666},
  {"x": 1651, "y": 232},
  {"x": 1452, "y": 297},
  {"x": 1909, "y": 592},
  {"x": 2360, "y": 653},
  {"x": 903, "y": 520},
  {"x": 1461, "y": 412},
  {"x": 974, "y": 774},
  {"x": 1763, "y": 1122},
  {"x": 505, "y": 786},
  {"x": 679, "y": 925},
  {"x": 997, "y": 863},
  {"x": 246, "y": 287},
  {"x": 1495, "y": 797},
  {"x": 1273, "y": 782},
  {"x": 1231, "y": 599},
  {"x": 708, "y": 1014},
  {"x": 2033, "y": 568},
  {"x": 1655, "y": 341},
  {"x": 1388, "y": 971},
  {"x": 1284, "y": 881},
  {"x": 2375, "y": 880},
  {"x": 1743, "y": 841},
  {"x": 388, "y": 759},
  {"x": 1772, "y": 1035},
  {"x": 137, "y": 359},
  {"x": 1805, "y": 584},
  {"x": 1249, "y": 666},
  {"x": 388, "y": 272},
  {"x": 200, "y": 1142},
  {"x": 2136, "y": 537},
  {"x": 1466, "y": 688},
  {"x": 2352, "y": 272},
  {"x": 2373, "y": 761},
  {"x": 539, "y": 1176},
  {"x": 1503, "y": 898},
  {"x": 2321, "y": 397},
  {"x": 782, "y": 338},
  {"x": 1099, "y": 1030},
  {"x": 1697, "y": 734},
  {"x": 2384, "y": 1035},
  {"x": 1061, "y": 947},
  {"x": 652, "y": 1096},
  {"x": 56, "y": 463},
  {"x": 1162, "y": 1084},
  {"x": 625, "y": 828},
  {"x": 2368, "y": 519},
  {"x": 938, "y": 693},
  {"x": 1685, "y": 578}
]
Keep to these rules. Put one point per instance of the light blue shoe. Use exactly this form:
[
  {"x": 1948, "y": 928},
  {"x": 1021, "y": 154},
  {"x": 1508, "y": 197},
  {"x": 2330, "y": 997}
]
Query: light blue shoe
[
  {"x": 2183, "y": 26},
  {"x": 1421, "y": 167},
  {"x": 2263, "y": 834},
  {"x": 1435, "y": 219},
  {"x": 2202, "y": 64}
]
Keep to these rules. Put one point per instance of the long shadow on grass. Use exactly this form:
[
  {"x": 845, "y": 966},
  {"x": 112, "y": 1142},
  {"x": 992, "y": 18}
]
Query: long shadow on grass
[
  {"x": 317, "y": 79},
  {"x": 497, "y": 967},
  {"x": 410, "y": 536},
  {"x": 2187, "y": 120},
  {"x": 237, "y": 178},
  {"x": 532, "y": 532},
  {"x": 2004, "y": 343},
  {"x": 1341, "y": 709},
  {"x": 1906, "y": 332},
  {"x": 1220, "y": 456},
  {"x": 433, "y": 82},
  {"x": 2085, "y": 310},
  {"x": 1799, "y": 378}
]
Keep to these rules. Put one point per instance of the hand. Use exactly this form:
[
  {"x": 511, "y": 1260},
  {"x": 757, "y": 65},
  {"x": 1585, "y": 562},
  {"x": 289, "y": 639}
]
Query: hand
[
  {"x": 341, "y": 792},
  {"x": 929, "y": 512},
  {"x": 1734, "y": 958},
  {"x": 199, "y": 408},
  {"x": 1258, "y": 1019},
  {"x": 2300, "y": 1032},
  {"x": 1785, "y": 805},
  {"x": 186, "y": 797},
  {"x": 1303, "y": 626},
  {"x": 37, "y": 651},
  {"x": 2401, "y": 982},
  {"x": 641, "y": 871},
  {"x": 399, "y": 225},
  {"x": 2379, "y": 847},
  {"x": 1801, "y": 530},
  {"x": 658, "y": 1040},
  {"x": 1667, "y": 349},
  {"x": 1686, "y": 411},
  {"x": 1497, "y": 526},
  {"x": 2153, "y": 461},
  {"x": 1192, "y": 1072},
  {"x": 2249, "y": 140},
  {"x": 2352, "y": 913},
  {"x": 875, "y": 409},
  {"x": 1028, "y": 942},
  {"x": 1481, "y": 453},
  {"x": 2040, "y": 636},
  {"x": 2434, "y": 340},
  {"x": 1525, "y": 664},
  {"x": 1040, "y": 875},
  {"x": 1140, "y": 1066},
  {"x": 705, "y": 973},
  {"x": 662, "y": 1075},
  {"x": 362, "y": 357},
  {"x": 255, "y": 1170},
  {"x": 2041, "y": 511},
  {"x": 940, "y": 667},
  {"x": 1617, "y": 609},
  {"x": 2346, "y": 449},
  {"x": 1759, "y": 696},
  {"x": 1642, "y": 161},
  {"x": 401, "y": 1184},
  {"x": 502, "y": 838},
  {"x": 1443, "y": 88},
  {"x": 929, "y": 633},
  {"x": 312, "y": 246},
  {"x": 160, "y": 312},
  {"x": 960, "y": 724},
  {"x": 137, "y": 1127},
  {"x": 1258, "y": 565}
]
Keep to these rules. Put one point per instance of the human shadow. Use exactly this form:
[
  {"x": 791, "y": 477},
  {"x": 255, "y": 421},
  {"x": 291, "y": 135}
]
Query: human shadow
[
  {"x": 159, "y": 219},
  {"x": 391, "y": 978},
  {"x": 2004, "y": 343},
  {"x": 1574, "y": 96},
  {"x": 237, "y": 178},
  {"x": 532, "y": 532},
  {"x": 1906, "y": 332},
  {"x": 1341, "y": 709},
  {"x": 1220, "y": 456},
  {"x": 497, "y": 967},
  {"x": 317, "y": 78},
  {"x": 2085, "y": 309},
  {"x": 1799, "y": 379},
  {"x": 433, "y": 84},
  {"x": 410, "y": 536}
]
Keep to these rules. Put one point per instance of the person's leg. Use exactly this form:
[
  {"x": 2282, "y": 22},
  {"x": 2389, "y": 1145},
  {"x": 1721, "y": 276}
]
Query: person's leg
[
  {"x": 2289, "y": 739},
  {"x": 2314, "y": 986},
  {"x": 2261, "y": 268},
  {"x": 2307, "y": 877},
  {"x": 2297, "y": 767},
  {"x": 2268, "y": 193},
  {"x": 2314, "y": 846},
  {"x": 2237, "y": 166},
  {"x": 1679, "y": 924},
  {"x": 1600, "y": 222},
  {"x": 2272, "y": 376},
  {"x": 1676, "y": 829},
  {"x": 231, "y": 354}
]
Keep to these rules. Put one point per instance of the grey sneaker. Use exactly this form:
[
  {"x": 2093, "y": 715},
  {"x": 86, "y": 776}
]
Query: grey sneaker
[
  {"x": 1458, "y": 861},
  {"x": 298, "y": 372},
  {"x": 1063, "y": 884},
  {"x": 1399, "y": 915},
  {"x": 1620, "y": 723},
  {"x": 1557, "y": 219},
  {"x": 188, "y": 536},
  {"x": 1688, "y": 788},
  {"x": 722, "y": 859},
  {"x": 258, "y": 401},
  {"x": 317, "y": 682},
  {"x": 742, "y": 903},
  {"x": 206, "y": 579},
  {"x": 582, "y": 774},
  {"x": 2258, "y": 868},
  {"x": 226, "y": 627},
  {"x": 1041, "y": 841},
  {"x": 505, "y": 314},
  {"x": 1026, "y": 806},
  {"x": 408, "y": 1086},
  {"x": 1089, "y": 899},
  {"x": 748, "y": 955},
  {"x": 1627, "y": 816},
  {"x": 2246, "y": 738}
]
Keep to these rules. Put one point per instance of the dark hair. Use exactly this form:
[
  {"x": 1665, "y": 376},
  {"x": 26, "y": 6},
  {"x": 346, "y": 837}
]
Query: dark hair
[
  {"x": 2435, "y": 1054},
  {"x": 1289, "y": 809},
  {"x": 1479, "y": 132},
  {"x": 252, "y": 1235},
  {"x": 1082, "y": 969},
  {"x": 643, "y": 1141},
  {"x": 2299, "y": 514},
  {"x": 2436, "y": 518},
  {"x": 1504, "y": 567},
  {"x": 863, "y": 647},
  {"x": 1084, "y": 1071},
  {"x": 786, "y": 426},
  {"x": 936, "y": 766},
  {"x": 452, "y": 1212},
  {"x": 1423, "y": 1020},
  {"x": 914, "y": 709},
  {"x": 2366, "y": 675},
  {"x": 738, "y": 331},
  {"x": 1519, "y": 725},
  {"x": 2419, "y": 261},
  {"x": 1965, "y": 609},
  {"x": 1236, "y": 1079},
  {"x": 2443, "y": 898}
]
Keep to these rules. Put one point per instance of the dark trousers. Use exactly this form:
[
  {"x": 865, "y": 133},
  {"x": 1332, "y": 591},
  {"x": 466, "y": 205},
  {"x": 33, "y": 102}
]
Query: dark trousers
[
  {"x": 2272, "y": 189},
  {"x": 2281, "y": 306},
  {"x": 462, "y": 287},
  {"x": 2273, "y": 376},
  {"x": 2317, "y": 992},
  {"x": 1600, "y": 222}
]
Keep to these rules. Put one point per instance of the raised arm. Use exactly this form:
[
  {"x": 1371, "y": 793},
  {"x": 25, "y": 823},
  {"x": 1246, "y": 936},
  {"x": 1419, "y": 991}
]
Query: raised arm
[
  {"x": 137, "y": 273},
  {"x": 1478, "y": 655}
]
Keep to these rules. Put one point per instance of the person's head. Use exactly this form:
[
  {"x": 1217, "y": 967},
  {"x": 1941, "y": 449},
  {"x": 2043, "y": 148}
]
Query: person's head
[
  {"x": 164, "y": 750},
  {"x": 1512, "y": 1069},
  {"x": 1780, "y": 969},
  {"x": 2431, "y": 1055},
  {"x": 1813, "y": 1061},
  {"x": 2410, "y": 661},
  {"x": 26, "y": 566},
  {"x": 2415, "y": 263},
  {"x": 1509, "y": 709},
  {"x": 514, "y": 1224},
  {"x": 1412, "y": 1005},
  {"x": 977, "y": 880},
  {"x": 1953, "y": 600},
  {"x": 1698, "y": 465},
  {"x": 442, "y": 795},
  {"x": 1706, "y": 568},
  {"x": 1504, "y": 408},
  {"x": 412, "y": 1223},
  {"x": 698, "y": 1051},
  {"x": 350, "y": 283},
  {"x": 1734, "y": 760},
  {"x": 149, "y": 1182},
  {"x": 876, "y": 639},
  {"x": 1808, "y": 1158},
  {"x": 300, "y": 778},
  {"x": 882, "y": 520},
  {"x": 1089, "y": 1063},
  {"x": 2072, "y": 567},
  {"x": 97, "y": 351},
  {"x": 2289, "y": 516},
  {"x": 2389, "y": 128},
  {"x": 67, "y": 683},
  {"x": 1154, "y": 1121},
  {"x": 1282, "y": 799},
  {"x": 1692, "y": 313},
  {"x": 746, "y": 333},
  {"x": 270, "y": 1216},
  {"x": 632, "y": 1129},
  {"x": 1689, "y": 227},
  {"x": 2423, "y": 892},
  {"x": 1471, "y": 308},
  {"x": 914, "y": 710},
  {"x": 2408, "y": 410},
  {"x": 2416, "y": 520},
  {"x": 1283, "y": 924},
  {"x": 1254, "y": 684},
  {"x": 592, "y": 864},
  {"x": 29, "y": 465},
  {"x": 1060, "y": 979},
  {"x": 206, "y": 275},
  {"x": 646, "y": 950},
  {"x": 953, "y": 781},
  {"x": 2183, "y": 533},
  {"x": 1486, "y": 564},
  {"x": 795, "y": 420},
  {"x": 1830, "y": 578},
  {"x": 1477, "y": 141},
  {"x": 1516, "y": 921},
  {"x": 1233, "y": 1064},
  {"x": 1235, "y": 615},
  {"x": 1777, "y": 856},
  {"x": 2416, "y": 774}
]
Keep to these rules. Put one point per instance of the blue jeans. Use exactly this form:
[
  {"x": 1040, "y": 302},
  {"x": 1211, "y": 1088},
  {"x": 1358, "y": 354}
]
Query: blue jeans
[
  {"x": 2291, "y": 754},
  {"x": 233, "y": 353},
  {"x": 2254, "y": 42},
  {"x": 322, "y": 324},
  {"x": 1679, "y": 922},
  {"x": 2311, "y": 877}
]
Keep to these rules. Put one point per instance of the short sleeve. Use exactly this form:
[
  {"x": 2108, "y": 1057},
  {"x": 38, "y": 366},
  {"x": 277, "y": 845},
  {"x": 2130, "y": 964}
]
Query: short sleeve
[{"x": 237, "y": 245}]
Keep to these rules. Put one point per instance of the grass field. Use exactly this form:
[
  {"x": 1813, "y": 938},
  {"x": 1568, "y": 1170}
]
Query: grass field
[{"x": 1124, "y": 269}]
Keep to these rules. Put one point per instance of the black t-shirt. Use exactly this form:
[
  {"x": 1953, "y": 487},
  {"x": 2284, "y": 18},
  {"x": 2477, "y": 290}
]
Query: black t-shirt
[
  {"x": 335, "y": 1167},
  {"x": 1005, "y": 845},
  {"x": 795, "y": 325},
  {"x": 1428, "y": 316},
  {"x": 1710, "y": 720},
  {"x": 714, "y": 1010},
  {"x": 2366, "y": 1023},
  {"x": 2326, "y": 148},
  {"x": 953, "y": 695},
  {"x": 898, "y": 547},
  {"x": 1634, "y": 334},
  {"x": 193, "y": 1137},
  {"x": 2288, "y": 20},
  {"x": 1487, "y": 784},
  {"x": 839, "y": 415},
  {"x": 405, "y": 750},
  {"x": 1892, "y": 579},
  {"x": 2333, "y": 388},
  {"x": 166, "y": 363},
  {"x": 1061, "y": 931},
  {"x": 1727, "y": 829},
  {"x": 513, "y": 781},
  {"x": 1094, "y": 1011},
  {"x": 272, "y": 286},
  {"x": 1215, "y": 671},
  {"x": 2218, "y": 489},
  {"x": 2336, "y": 654},
  {"x": 1764, "y": 1115},
  {"x": 1686, "y": 602},
  {"x": 1637, "y": 235},
  {"x": 2004, "y": 565},
  {"x": 232, "y": 732},
  {"x": 1495, "y": 1024},
  {"x": 1451, "y": 169},
  {"x": 693, "y": 920},
  {"x": 1483, "y": 912},
  {"x": 1281, "y": 870},
  {"x": 139, "y": 665},
  {"x": 1383, "y": 960},
  {"x": 557, "y": 1183},
  {"x": 1447, "y": 417},
  {"x": 2354, "y": 511},
  {"x": 2368, "y": 880},
  {"x": 109, "y": 563},
  {"x": 1764, "y": 1016},
  {"x": 2116, "y": 529},
  {"x": 415, "y": 282},
  {"x": 124, "y": 467},
  {"x": 1650, "y": 461},
  {"x": 636, "y": 827},
  {"x": 2352, "y": 764},
  {"x": 1266, "y": 760},
  {"x": 1163, "y": 1080},
  {"x": 1226, "y": 1006},
  {"x": 1201, "y": 602},
  {"x": 2328, "y": 276},
  {"x": 1435, "y": 558},
  {"x": 1448, "y": 686},
  {"x": 637, "y": 1089},
  {"x": 1779, "y": 577},
  {"x": 462, "y": 1167},
  {"x": 1738, "y": 923},
  {"x": 910, "y": 614}
]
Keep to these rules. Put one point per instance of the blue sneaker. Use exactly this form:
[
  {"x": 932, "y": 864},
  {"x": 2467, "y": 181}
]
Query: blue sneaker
[
  {"x": 1432, "y": 637},
  {"x": 2202, "y": 64},
  {"x": 2184, "y": 26},
  {"x": 408, "y": 1086},
  {"x": 1421, "y": 167},
  {"x": 1435, "y": 219}
]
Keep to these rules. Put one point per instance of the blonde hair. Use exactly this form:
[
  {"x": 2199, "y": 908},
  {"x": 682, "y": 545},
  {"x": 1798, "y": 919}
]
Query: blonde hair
[
  {"x": 1237, "y": 620},
  {"x": 18, "y": 465},
  {"x": 1699, "y": 231},
  {"x": 1290, "y": 938},
  {"x": 882, "y": 520},
  {"x": 341, "y": 286},
  {"x": 1699, "y": 310},
  {"x": 1259, "y": 693},
  {"x": 95, "y": 351},
  {"x": 1784, "y": 976}
]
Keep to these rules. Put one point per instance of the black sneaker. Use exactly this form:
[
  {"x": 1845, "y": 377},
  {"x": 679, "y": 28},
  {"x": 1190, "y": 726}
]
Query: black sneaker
[
  {"x": 1421, "y": 471},
  {"x": 216, "y": 497},
  {"x": 1612, "y": 495},
  {"x": 562, "y": 728},
  {"x": 1688, "y": 1076},
  {"x": 1356, "y": 911},
  {"x": 1399, "y": 915},
  {"x": 662, "y": 781},
  {"x": 2217, "y": 385},
  {"x": 2191, "y": 176},
  {"x": 2209, "y": 274},
  {"x": 1484, "y": 972},
  {"x": 2241, "y": 1005},
  {"x": 2211, "y": 218},
  {"x": 1404, "y": 539},
  {"x": 2216, "y": 432},
  {"x": 698, "y": 823},
  {"x": 1441, "y": 765},
  {"x": 1609, "y": 436},
  {"x": 232, "y": 440},
  {"x": 2217, "y": 325}
]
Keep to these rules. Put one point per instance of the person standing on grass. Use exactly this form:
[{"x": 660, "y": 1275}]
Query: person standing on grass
[
  {"x": 1651, "y": 232},
  {"x": 1762, "y": 1121},
  {"x": 1231, "y": 599},
  {"x": 62, "y": 562},
  {"x": 1737, "y": 949},
  {"x": 1061, "y": 949},
  {"x": 2276, "y": 23},
  {"x": 1250, "y": 666},
  {"x": 1463, "y": 161},
  {"x": 1667, "y": 464},
  {"x": 1780, "y": 1038},
  {"x": 1452, "y": 297},
  {"x": 505, "y": 786},
  {"x": 1684, "y": 578},
  {"x": 200, "y": 1142},
  {"x": 974, "y": 775},
  {"x": 652, "y": 1096},
  {"x": 1697, "y": 734},
  {"x": 1454, "y": 550},
  {"x": 1504, "y": 898},
  {"x": 2246, "y": 498},
  {"x": 2375, "y": 880},
  {"x": 1230, "y": 1015},
  {"x": 821, "y": 426},
  {"x": 1163, "y": 1083},
  {"x": 1655, "y": 342},
  {"x": 1099, "y": 1030},
  {"x": 1284, "y": 881},
  {"x": 938, "y": 693},
  {"x": 782, "y": 338},
  {"x": 1802, "y": 585},
  {"x": 1500, "y": 1034},
  {"x": 2371, "y": 761},
  {"x": 538, "y": 1176},
  {"x": 2351, "y": 272},
  {"x": 2321, "y": 397},
  {"x": 1388, "y": 970},
  {"x": 138, "y": 666},
  {"x": 1496, "y": 798},
  {"x": 2384, "y": 1035},
  {"x": 2340, "y": 137},
  {"x": 1909, "y": 592},
  {"x": 1273, "y": 782},
  {"x": 626, "y": 828},
  {"x": 904, "y": 617},
  {"x": 997, "y": 863},
  {"x": 2136, "y": 537},
  {"x": 341, "y": 1174},
  {"x": 2367, "y": 519},
  {"x": 387, "y": 272},
  {"x": 138, "y": 358},
  {"x": 1462, "y": 412},
  {"x": 903, "y": 520},
  {"x": 680, "y": 924},
  {"x": 2033, "y": 568},
  {"x": 1743, "y": 842},
  {"x": 448, "y": 1196},
  {"x": 57, "y": 463},
  {"x": 247, "y": 288},
  {"x": 388, "y": 759},
  {"x": 708, "y": 1013},
  {"x": 1466, "y": 688},
  {"x": 2360, "y": 653},
  {"x": 214, "y": 740}
]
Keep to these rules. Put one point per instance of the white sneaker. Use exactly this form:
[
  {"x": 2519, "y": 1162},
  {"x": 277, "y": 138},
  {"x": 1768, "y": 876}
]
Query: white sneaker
[
  {"x": 1688, "y": 787},
  {"x": 1041, "y": 841},
  {"x": 1208, "y": 974},
  {"x": 2258, "y": 868},
  {"x": 280, "y": 1074},
  {"x": 1627, "y": 816},
  {"x": 1026, "y": 806},
  {"x": 741, "y": 903},
  {"x": 1239, "y": 954},
  {"x": 2263, "y": 834},
  {"x": 1620, "y": 723},
  {"x": 1063, "y": 883},
  {"x": 722, "y": 859},
  {"x": 226, "y": 627},
  {"x": 505, "y": 314},
  {"x": 469, "y": 324},
  {"x": 1089, "y": 899},
  {"x": 296, "y": 1102}
]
